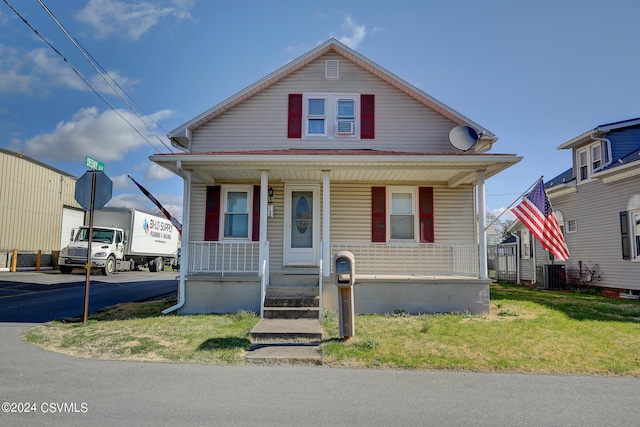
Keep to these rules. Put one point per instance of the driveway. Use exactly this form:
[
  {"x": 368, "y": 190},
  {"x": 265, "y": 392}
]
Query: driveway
[{"x": 64, "y": 391}]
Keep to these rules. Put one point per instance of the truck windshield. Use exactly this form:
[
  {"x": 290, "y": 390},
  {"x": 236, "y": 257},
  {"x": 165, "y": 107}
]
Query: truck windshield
[{"x": 102, "y": 236}]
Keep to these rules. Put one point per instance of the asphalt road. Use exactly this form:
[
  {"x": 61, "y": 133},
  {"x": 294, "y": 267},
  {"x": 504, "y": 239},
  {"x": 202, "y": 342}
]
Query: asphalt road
[
  {"x": 47, "y": 295},
  {"x": 38, "y": 387},
  {"x": 64, "y": 391}
]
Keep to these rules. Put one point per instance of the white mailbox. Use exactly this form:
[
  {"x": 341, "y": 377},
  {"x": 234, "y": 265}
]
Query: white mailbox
[{"x": 345, "y": 278}]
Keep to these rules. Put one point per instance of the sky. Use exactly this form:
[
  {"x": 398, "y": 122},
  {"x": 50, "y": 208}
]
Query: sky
[{"x": 536, "y": 74}]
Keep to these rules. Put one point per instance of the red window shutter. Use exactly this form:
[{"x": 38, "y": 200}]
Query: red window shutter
[
  {"x": 367, "y": 116},
  {"x": 425, "y": 202},
  {"x": 295, "y": 116},
  {"x": 255, "y": 228},
  {"x": 212, "y": 216},
  {"x": 378, "y": 214}
]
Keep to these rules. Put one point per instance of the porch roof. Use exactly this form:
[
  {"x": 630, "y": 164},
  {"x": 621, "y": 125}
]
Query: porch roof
[{"x": 344, "y": 165}]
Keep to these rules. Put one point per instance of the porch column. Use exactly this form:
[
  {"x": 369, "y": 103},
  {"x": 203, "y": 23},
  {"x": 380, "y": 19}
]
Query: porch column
[
  {"x": 264, "y": 194},
  {"x": 482, "y": 228},
  {"x": 326, "y": 227}
]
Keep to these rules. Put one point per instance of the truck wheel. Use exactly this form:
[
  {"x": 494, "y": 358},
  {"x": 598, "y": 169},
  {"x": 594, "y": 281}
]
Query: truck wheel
[
  {"x": 65, "y": 270},
  {"x": 152, "y": 266},
  {"x": 110, "y": 267},
  {"x": 160, "y": 264}
]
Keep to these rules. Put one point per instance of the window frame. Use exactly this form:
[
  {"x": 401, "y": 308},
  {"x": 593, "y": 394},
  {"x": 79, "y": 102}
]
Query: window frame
[
  {"x": 414, "y": 212},
  {"x": 525, "y": 244},
  {"x": 634, "y": 217},
  {"x": 591, "y": 163},
  {"x": 572, "y": 226},
  {"x": 330, "y": 116},
  {"x": 633, "y": 209},
  {"x": 225, "y": 190}
]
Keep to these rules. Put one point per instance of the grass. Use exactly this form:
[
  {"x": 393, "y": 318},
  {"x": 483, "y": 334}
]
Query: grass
[
  {"x": 527, "y": 330},
  {"x": 138, "y": 332}
]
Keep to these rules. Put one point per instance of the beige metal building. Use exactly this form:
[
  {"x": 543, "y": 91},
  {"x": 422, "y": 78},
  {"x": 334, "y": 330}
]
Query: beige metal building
[{"x": 37, "y": 209}]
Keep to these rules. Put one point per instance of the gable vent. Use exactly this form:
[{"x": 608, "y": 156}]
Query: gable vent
[{"x": 331, "y": 69}]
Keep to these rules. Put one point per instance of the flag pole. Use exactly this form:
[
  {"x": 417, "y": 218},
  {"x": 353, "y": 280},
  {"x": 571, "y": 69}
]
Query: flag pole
[{"x": 514, "y": 202}]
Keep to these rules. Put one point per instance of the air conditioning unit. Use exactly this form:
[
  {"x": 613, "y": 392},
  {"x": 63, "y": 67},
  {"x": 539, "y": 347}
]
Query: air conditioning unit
[{"x": 345, "y": 127}]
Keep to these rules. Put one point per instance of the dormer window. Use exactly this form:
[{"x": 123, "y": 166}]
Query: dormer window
[{"x": 591, "y": 159}]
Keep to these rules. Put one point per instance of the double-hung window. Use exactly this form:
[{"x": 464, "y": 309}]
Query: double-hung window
[
  {"x": 583, "y": 165},
  {"x": 330, "y": 116},
  {"x": 635, "y": 223},
  {"x": 346, "y": 116},
  {"x": 236, "y": 212},
  {"x": 596, "y": 156},
  {"x": 591, "y": 159},
  {"x": 402, "y": 214},
  {"x": 316, "y": 116}
]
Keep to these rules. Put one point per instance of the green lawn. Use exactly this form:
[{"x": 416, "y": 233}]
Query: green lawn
[{"x": 527, "y": 330}]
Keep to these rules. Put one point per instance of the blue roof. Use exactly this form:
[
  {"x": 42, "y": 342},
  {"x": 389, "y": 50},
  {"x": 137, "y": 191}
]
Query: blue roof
[{"x": 563, "y": 178}]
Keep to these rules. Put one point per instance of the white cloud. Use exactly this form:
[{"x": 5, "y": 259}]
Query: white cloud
[
  {"x": 87, "y": 134},
  {"x": 39, "y": 70},
  {"x": 172, "y": 203},
  {"x": 355, "y": 33},
  {"x": 121, "y": 181},
  {"x": 506, "y": 216},
  {"x": 129, "y": 19},
  {"x": 155, "y": 172},
  {"x": 128, "y": 200}
]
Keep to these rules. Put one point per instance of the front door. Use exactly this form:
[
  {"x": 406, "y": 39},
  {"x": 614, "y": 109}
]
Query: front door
[{"x": 301, "y": 225}]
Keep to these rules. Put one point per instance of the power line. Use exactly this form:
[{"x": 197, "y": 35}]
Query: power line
[
  {"x": 184, "y": 59},
  {"x": 105, "y": 75},
  {"x": 75, "y": 70}
]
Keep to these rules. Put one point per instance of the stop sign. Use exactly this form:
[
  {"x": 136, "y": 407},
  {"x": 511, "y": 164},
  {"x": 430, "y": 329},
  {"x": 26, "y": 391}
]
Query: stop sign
[{"x": 104, "y": 188}]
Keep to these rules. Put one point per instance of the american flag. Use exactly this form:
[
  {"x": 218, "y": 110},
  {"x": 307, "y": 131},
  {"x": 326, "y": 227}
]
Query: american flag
[
  {"x": 536, "y": 214},
  {"x": 166, "y": 213}
]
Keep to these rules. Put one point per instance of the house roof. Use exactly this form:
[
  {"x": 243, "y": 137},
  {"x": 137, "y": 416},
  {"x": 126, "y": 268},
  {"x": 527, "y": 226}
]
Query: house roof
[
  {"x": 619, "y": 166},
  {"x": 608, "y": 127},
  {"x": 180, "y": 136},
  {"x": 344, "y": 165},
  {"x": 564, "y": 178}
]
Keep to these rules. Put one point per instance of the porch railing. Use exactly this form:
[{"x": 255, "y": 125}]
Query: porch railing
[
  {"x": 425, "y": 259},
  {"x": 224, "y": 257}
]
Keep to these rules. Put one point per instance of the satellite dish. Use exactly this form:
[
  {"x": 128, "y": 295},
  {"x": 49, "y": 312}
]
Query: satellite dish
[{"x": 463, "y": 137}]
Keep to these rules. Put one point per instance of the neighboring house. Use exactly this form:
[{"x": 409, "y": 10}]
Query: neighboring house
[
  {"x": 529, "y": 262},
  {"x": 332, "y": 152},
  {"x": 37, "y": 210},
  {"x": 597, "y": 202}
]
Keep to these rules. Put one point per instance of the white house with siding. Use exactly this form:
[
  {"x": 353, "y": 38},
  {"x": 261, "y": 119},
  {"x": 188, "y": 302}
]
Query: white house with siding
[
  {"x": 599, "y": 200},
  {"x": 332, "y": 152}
]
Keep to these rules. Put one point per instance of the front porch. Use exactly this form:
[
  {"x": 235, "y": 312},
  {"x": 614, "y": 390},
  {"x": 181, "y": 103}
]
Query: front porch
[{"x": 418, "y": 278}]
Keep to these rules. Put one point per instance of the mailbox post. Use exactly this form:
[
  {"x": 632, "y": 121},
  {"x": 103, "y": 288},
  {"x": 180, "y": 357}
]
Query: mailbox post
[{"x": 345, "y": 277}]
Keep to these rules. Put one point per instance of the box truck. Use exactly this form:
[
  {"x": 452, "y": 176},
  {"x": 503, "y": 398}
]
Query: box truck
[{"x": 123, "y": 239}]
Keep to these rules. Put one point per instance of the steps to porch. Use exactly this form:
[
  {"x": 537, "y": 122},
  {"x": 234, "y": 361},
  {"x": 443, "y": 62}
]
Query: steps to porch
[{"x": 290, "y": 330}]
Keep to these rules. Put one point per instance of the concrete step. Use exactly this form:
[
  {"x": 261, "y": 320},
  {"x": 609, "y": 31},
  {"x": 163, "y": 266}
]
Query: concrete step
[
  {"x": 291, "y": 312},
  {"x": 285, "y": 352},
  {"x": 292, "y": 301},
  {"x": 292, "y": 291},
  {"x": 287, "y": 331}
]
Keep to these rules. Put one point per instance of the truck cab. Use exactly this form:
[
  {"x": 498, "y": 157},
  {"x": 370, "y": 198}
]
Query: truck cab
[{"x": 107, "y": 248}]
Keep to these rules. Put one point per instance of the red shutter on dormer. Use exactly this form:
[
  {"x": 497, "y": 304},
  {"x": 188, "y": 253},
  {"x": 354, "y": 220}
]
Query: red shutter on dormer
[
  {"x": 212, "y": 215},
  {"x": 425, "y": 202},
  {"x": 255, "y": 227},
  {"x": 378, "y": 214},
  {"x": 367, "y": 116},
  {"x": 295, "y": 116}
]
